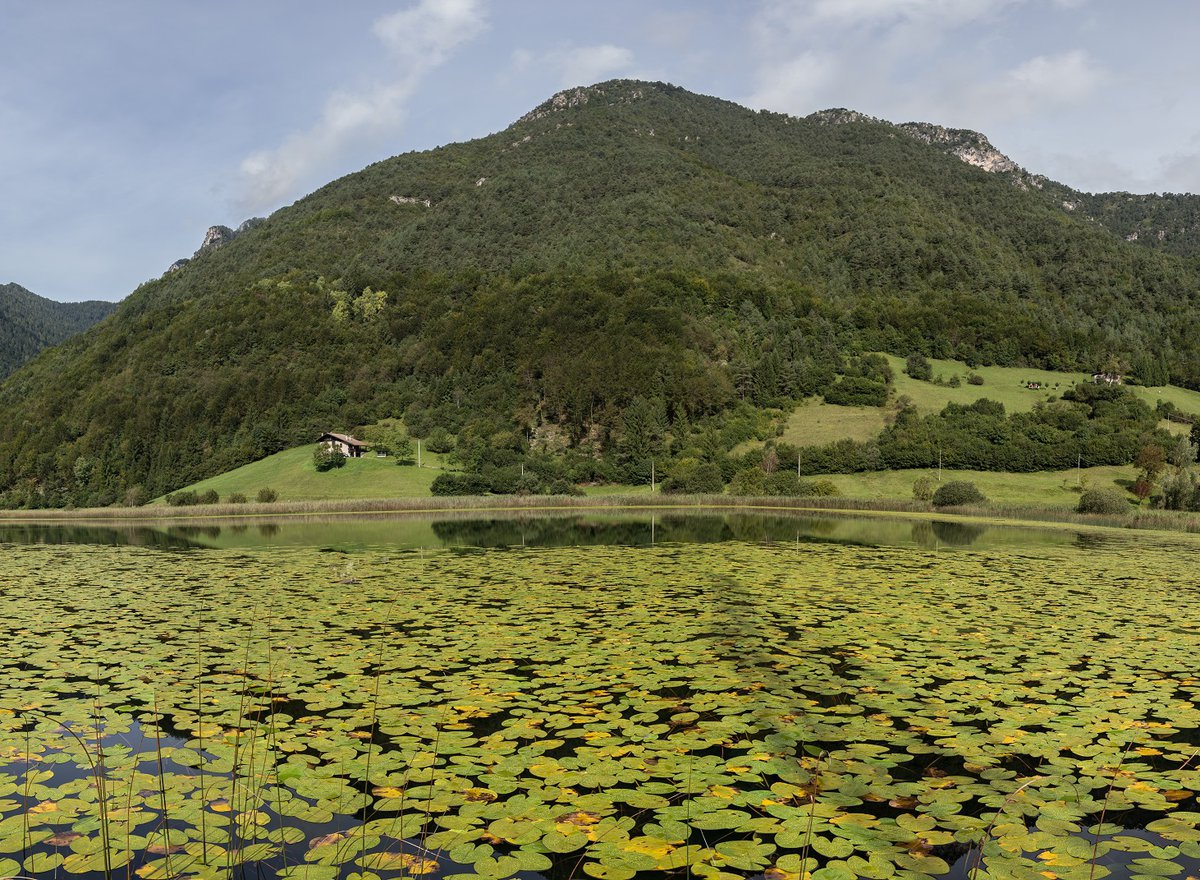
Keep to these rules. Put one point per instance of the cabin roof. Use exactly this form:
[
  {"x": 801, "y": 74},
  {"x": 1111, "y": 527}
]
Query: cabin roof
[{"x": 344, "y": 438}]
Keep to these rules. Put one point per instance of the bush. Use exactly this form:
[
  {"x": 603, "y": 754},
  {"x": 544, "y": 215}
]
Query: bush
[
  {"x": 236, "y": 498},
  {"x": 956, "y": 493},
  {"x": 183, "y": 499},
  {"x": 855, "y": 391},
  {"x": 266, "y": 496},
  {"x": 439, "y": 440},
  {"x": 326, "y": 457},
  {"x": 1103, "y": 501},
  {"x": 749, "y": 482},
  {"x": 974, "y": 379},
  {"x": 460, "y": 484},
  {"x": 817, "y": 489},
  {"x": 783, "y": 483},
  {"x": 562, "y": 487},
  {"x": 923, "y": 488},
  {"x": 917, "y": 367},
  {"x": 208, "y": 496},
  {"x": 693, "y": 477}
]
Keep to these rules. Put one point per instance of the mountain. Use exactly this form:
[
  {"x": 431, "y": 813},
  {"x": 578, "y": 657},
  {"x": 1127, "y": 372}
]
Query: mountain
[
  {"x": 29, "y": 323},
  {"x": 626, "y": 261}
]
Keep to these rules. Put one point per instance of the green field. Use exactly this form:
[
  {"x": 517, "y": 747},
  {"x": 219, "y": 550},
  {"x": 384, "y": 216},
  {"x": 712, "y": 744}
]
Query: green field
[
  {"x": 1008, "y": 386},
  {"x": 1042, "y": 489},
  {"x": 814, "y": 423},
  {"x": 291, "y": 473}
]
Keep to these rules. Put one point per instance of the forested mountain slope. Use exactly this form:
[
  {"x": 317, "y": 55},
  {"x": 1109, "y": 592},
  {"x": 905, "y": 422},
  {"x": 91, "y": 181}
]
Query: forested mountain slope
[
  {"x": 622, "y": 245},
  {"x": 29, "y": 323}
]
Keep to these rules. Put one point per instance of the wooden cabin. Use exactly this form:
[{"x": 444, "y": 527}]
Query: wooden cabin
[{"x": 343, "y": 443}]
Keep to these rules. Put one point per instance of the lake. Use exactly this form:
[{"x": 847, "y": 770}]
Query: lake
[{"x": 601, "y": 696}]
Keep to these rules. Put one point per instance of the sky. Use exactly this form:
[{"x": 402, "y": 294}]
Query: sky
[{"x": 129, "y": 127}]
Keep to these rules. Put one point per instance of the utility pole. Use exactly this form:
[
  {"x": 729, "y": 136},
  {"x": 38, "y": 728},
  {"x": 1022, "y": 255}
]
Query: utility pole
[
  {"x": 418, "y": 452},
  {"x": 651, "y": 476}
]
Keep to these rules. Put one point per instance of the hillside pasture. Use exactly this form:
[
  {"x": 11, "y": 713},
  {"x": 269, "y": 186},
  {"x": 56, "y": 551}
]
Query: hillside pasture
[{"x": 292, "y": 474}]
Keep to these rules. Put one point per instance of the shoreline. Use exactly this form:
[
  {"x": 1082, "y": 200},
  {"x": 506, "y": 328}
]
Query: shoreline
[{"x": 1171, "y": 522}]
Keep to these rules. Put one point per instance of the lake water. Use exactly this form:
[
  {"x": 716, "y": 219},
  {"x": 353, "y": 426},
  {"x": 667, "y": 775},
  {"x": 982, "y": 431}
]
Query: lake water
[
  {"x": 606, "y": 695},
  {"x": 564, "y": 529}
]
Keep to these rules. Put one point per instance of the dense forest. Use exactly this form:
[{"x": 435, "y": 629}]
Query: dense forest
[
  {"x": 631, "y": 270},
  {"x": 29, "y": 323}
]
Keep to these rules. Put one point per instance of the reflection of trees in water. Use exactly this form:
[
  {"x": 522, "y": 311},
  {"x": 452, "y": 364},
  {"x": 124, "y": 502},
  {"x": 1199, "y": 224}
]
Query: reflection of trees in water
[
  {"x": 931, "y": 535},
  {"x": 268, "y": 530},
  {"x": 128, "y": 536},
  {"x": 211, "y": 532},
  {"x": 582, "y": 531},
  {"x": 542, "y": 532}
]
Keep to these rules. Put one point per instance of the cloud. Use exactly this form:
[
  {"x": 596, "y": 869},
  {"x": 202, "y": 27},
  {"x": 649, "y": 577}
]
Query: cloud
[
  {"x": 789, "y": 18},
  {"x": 418, "y": 39},
  {"x": 793, "y": 86},
  {"x": 1180, "y": 170},
  {"x": 591, "y": 64},
  {"x": 1038, "y": 85}
]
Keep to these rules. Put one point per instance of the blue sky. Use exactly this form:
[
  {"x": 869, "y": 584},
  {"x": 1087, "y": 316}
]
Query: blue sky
[{"x": 130, "y": 126}]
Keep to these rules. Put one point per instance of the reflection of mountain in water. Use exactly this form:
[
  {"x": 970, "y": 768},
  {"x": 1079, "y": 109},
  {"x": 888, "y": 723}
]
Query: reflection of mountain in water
[{"x": 114, "y": 536}]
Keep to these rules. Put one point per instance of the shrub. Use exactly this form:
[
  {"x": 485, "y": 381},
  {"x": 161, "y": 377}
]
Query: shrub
[
  {"x": 923, "y": 488},
  {"x": 783, "y": 483},
  {"x": 693, "y": 477},
  {"x": 974, "y": 379},
  {"x": 1103, "y": 501},
  {"x": 236, "y": 498},
  {"x": 326, "y": 457},
  {"x": 956, "y": 493},
  {"x": 266, "y": 496},
  {"x": 208, "y": 496},
  {"x": 749, "y": 482},
  {"x": 855, "y": 391},
  {"x": 917, "y": 367},
  {"x": 183, "y": 499},
  {"x": 460, "y": 484},
  {"x": 439, "y": 440}
]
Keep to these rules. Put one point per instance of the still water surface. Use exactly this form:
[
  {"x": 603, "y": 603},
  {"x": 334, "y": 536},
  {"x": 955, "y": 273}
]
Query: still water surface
[{"x": 573, "y": 529}]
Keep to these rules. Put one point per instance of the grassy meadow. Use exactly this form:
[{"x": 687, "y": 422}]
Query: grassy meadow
[
  {"x": 1052, "y": 489},
  {"x": 292, "y": 474},
  {"x": 815, "y": 423}
]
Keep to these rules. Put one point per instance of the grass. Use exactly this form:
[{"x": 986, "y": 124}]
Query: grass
[
  {"x": 815, "y": 423},
  {"x": 291, "y": 473},
  {"x": 1045, "y": 489},
  {"x": 1007, "y": 385},
  {"x": 1003, "y": 384}
]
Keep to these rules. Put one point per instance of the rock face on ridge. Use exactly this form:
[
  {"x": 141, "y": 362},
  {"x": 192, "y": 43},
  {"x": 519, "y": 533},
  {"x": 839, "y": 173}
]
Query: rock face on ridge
[{"x": 216, "y": 237}]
